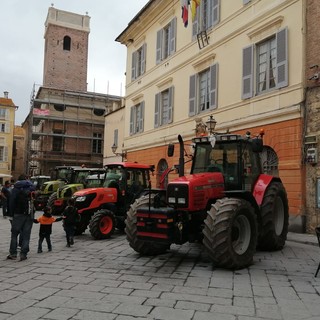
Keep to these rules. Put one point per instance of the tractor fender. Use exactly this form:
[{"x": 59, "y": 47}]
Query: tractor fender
[{"x": 261, "y": 186}]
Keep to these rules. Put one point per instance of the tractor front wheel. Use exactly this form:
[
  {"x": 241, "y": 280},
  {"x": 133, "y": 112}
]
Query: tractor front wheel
[
  {"x": 274, "y": 218},
  {"x": 143, "y": 247},
  {"x": 102, "y": 224},
  {"x": 230, "y": 233},
  {"x": 50, "y": 203}
]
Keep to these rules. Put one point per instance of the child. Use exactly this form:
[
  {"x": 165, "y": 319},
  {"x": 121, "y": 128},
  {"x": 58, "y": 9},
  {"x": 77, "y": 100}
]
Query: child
[
  {"x": 70, "y": 219},
  {"x": 45, "y": 230}
]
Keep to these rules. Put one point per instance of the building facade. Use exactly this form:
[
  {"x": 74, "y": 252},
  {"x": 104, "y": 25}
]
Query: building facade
[
  {"x": 243, "y": 62},
  {"x": 65, "y": 125},
  {"x": 7, "y": 117}
]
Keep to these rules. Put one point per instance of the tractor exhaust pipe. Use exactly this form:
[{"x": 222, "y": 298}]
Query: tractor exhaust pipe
[{"x": 181, "y": 158}]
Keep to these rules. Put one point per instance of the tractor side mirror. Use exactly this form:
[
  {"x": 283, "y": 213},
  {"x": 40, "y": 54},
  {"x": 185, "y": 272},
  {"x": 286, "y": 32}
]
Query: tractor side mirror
[
  {"x": 257, "y": 145},
  {"x": 170, "y": 150}
]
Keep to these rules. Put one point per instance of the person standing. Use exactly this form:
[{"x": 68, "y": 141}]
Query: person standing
[
  {"x": 22, "y": 216},
  {"x": 45, "y": 229},
  {"x": 70, "y": 218},
  {"x": 5, "y": 196}
]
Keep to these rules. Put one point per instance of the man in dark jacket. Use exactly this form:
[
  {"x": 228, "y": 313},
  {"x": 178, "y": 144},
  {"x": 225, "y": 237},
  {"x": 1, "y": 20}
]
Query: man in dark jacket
[{"x": 23, "y": 214}]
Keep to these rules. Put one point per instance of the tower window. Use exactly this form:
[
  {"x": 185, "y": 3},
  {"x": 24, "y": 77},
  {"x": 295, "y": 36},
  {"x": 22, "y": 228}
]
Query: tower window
[{"x": 67, "y": 43}]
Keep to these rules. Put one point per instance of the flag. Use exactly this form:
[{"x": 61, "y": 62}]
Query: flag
[
  {"x": 184, "y": 8},
  {"x": 194, "y": 5}
]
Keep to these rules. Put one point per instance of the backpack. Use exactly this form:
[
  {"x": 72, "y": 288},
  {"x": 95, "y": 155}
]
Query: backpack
[{"x": 22, "y": 202}]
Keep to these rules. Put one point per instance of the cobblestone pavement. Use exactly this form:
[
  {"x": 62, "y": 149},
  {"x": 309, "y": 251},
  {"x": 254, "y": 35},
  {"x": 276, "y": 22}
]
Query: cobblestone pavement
[{"x": 108, "y": 280}]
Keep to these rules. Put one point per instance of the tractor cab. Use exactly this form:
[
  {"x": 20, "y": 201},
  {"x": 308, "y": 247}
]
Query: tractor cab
[{"x": 234, "y": 156}]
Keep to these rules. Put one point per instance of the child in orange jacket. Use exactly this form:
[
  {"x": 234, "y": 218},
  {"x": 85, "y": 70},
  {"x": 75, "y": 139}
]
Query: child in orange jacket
[{"x": 45, "y": 230}]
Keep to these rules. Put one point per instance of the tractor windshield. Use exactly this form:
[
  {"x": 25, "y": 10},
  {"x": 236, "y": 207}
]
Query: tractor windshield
[{"x": 223, "y": 158}]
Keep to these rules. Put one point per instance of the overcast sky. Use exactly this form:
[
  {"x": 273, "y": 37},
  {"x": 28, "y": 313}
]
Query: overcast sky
[{"x": 22, "y": 45}]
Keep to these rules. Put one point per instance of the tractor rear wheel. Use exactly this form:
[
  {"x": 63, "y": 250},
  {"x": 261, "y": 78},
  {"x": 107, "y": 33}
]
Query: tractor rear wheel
[
  {"x": 274, "y": 218},
  {"x": 102, "y": 224},
  {"x": 143, "y": 247},
  {"x": 230, "y": 233}
]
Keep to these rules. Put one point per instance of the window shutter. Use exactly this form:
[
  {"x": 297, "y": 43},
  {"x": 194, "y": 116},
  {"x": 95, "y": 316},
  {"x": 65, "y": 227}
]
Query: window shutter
[
  {"x": 215, "y": 12},
  {"x": 192, "y": 95},
  {"x": 133, "y": 65},
  {"x": 213, "y": 86},
  {"x": 7, "y": 114},
  {"x": 247, "y": 72},
  {"x": 115, "y": 137},
  {"x": 170, "y": 109},
  {"x": 5, "y": 154},
  {"x": 158, "y": 50},
  {"x": 156, "y": 111},
  {"x": 143, "y": 58},
  {"x": 131, "y": 120},
  {"x": 282, "y": 58},
  {"x": 141, "y": 120},
  {"x": 195, "y": 24},
  {"x": 173, "y": 25},
  {"x": 7, "y": 128}
]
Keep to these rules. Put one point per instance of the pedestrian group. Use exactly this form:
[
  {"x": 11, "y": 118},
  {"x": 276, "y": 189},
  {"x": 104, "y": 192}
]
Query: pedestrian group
[{"x": 17, "y": 204}]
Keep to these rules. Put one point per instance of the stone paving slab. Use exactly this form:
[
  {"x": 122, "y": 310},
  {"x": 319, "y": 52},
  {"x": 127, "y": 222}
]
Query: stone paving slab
[{"x": 108, "y": 280}]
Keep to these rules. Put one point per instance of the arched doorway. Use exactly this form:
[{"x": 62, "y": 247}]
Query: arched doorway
[{"x": 269, "y": 161}]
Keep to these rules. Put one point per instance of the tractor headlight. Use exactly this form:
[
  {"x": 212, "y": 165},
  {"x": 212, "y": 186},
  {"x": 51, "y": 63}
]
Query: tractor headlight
[
  {"x": 171, "y": 200},
  {"x": 81, "y": 199},
  {"x": 181, "y": 200}
]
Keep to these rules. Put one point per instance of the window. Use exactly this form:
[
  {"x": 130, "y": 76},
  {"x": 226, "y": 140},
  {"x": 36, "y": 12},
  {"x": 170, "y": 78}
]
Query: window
[
  {"x": 3, "y": 154},
  {"x": 57, "y": 142},
  {"x": 137, "y": 118},
  {"x": 203, "y": 90},
  {"x": 3, "y": 113},
  {"x": 138, "y": 62},
  {"x": 163, "y": 108},
  {"x": 116, "y": 137},
  {"x": 2, "y": 127},
  {"x": 97, "y": 142},
  {"x": 271, "y": 65},
  {"x": 166, "y": 41},
  {"x": 207, "y": 16},
  {"x": 67, "y": 43}
]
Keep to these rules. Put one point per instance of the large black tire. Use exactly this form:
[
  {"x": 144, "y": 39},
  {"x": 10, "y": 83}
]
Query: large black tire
[
  {"x": 143, "y": 247},
  {"x": 274, "y": 218},
  {"x": 50, "y": 203},
  {"x": 230, "y": 233},
  {"x": 102, "y": 224}
]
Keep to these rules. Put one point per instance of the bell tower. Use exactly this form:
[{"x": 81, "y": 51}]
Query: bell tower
[{"x": 66, "y": 50}]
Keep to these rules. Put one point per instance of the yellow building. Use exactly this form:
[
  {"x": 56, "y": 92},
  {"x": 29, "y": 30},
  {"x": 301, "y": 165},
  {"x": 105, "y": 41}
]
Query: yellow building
[
  {"x": 240, "y": 61},
  {"x": 7, "y": 116}
]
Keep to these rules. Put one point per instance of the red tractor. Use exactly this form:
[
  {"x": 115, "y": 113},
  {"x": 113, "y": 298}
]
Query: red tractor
[
  {"x": 104, "y": 209},
  {"x": 226, "y": 202}
]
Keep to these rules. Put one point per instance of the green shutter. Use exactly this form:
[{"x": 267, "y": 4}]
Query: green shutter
[
  {"x": 247, "y": 72},
  {"x": 192, "y": 95},
  {"x": 282, "y": 58}
]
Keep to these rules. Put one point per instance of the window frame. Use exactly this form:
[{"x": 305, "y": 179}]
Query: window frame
[
  {"x": 138, "y": 61},
  {"x": 250, "y": 65},
  {"x": 97, "y": 143},
  {"x": 161, "y": 109},
  {"x": 166, "y": 46},
  {"x": 137, "y": 118},
  {"x": 194, "y": 90}
]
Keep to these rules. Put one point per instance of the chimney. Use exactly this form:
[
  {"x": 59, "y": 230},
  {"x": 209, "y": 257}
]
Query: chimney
[{"x": 6, "y": 94}]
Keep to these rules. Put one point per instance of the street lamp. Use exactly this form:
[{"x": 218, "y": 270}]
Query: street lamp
[
  {"x": 211, "y": 124},
  {"x": 123, "y": 154}
]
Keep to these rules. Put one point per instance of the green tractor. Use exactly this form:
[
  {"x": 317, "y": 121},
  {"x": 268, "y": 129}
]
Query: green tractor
[
  {"x": 76, "y": 178},
  {"x": 47, "y": 185}
]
